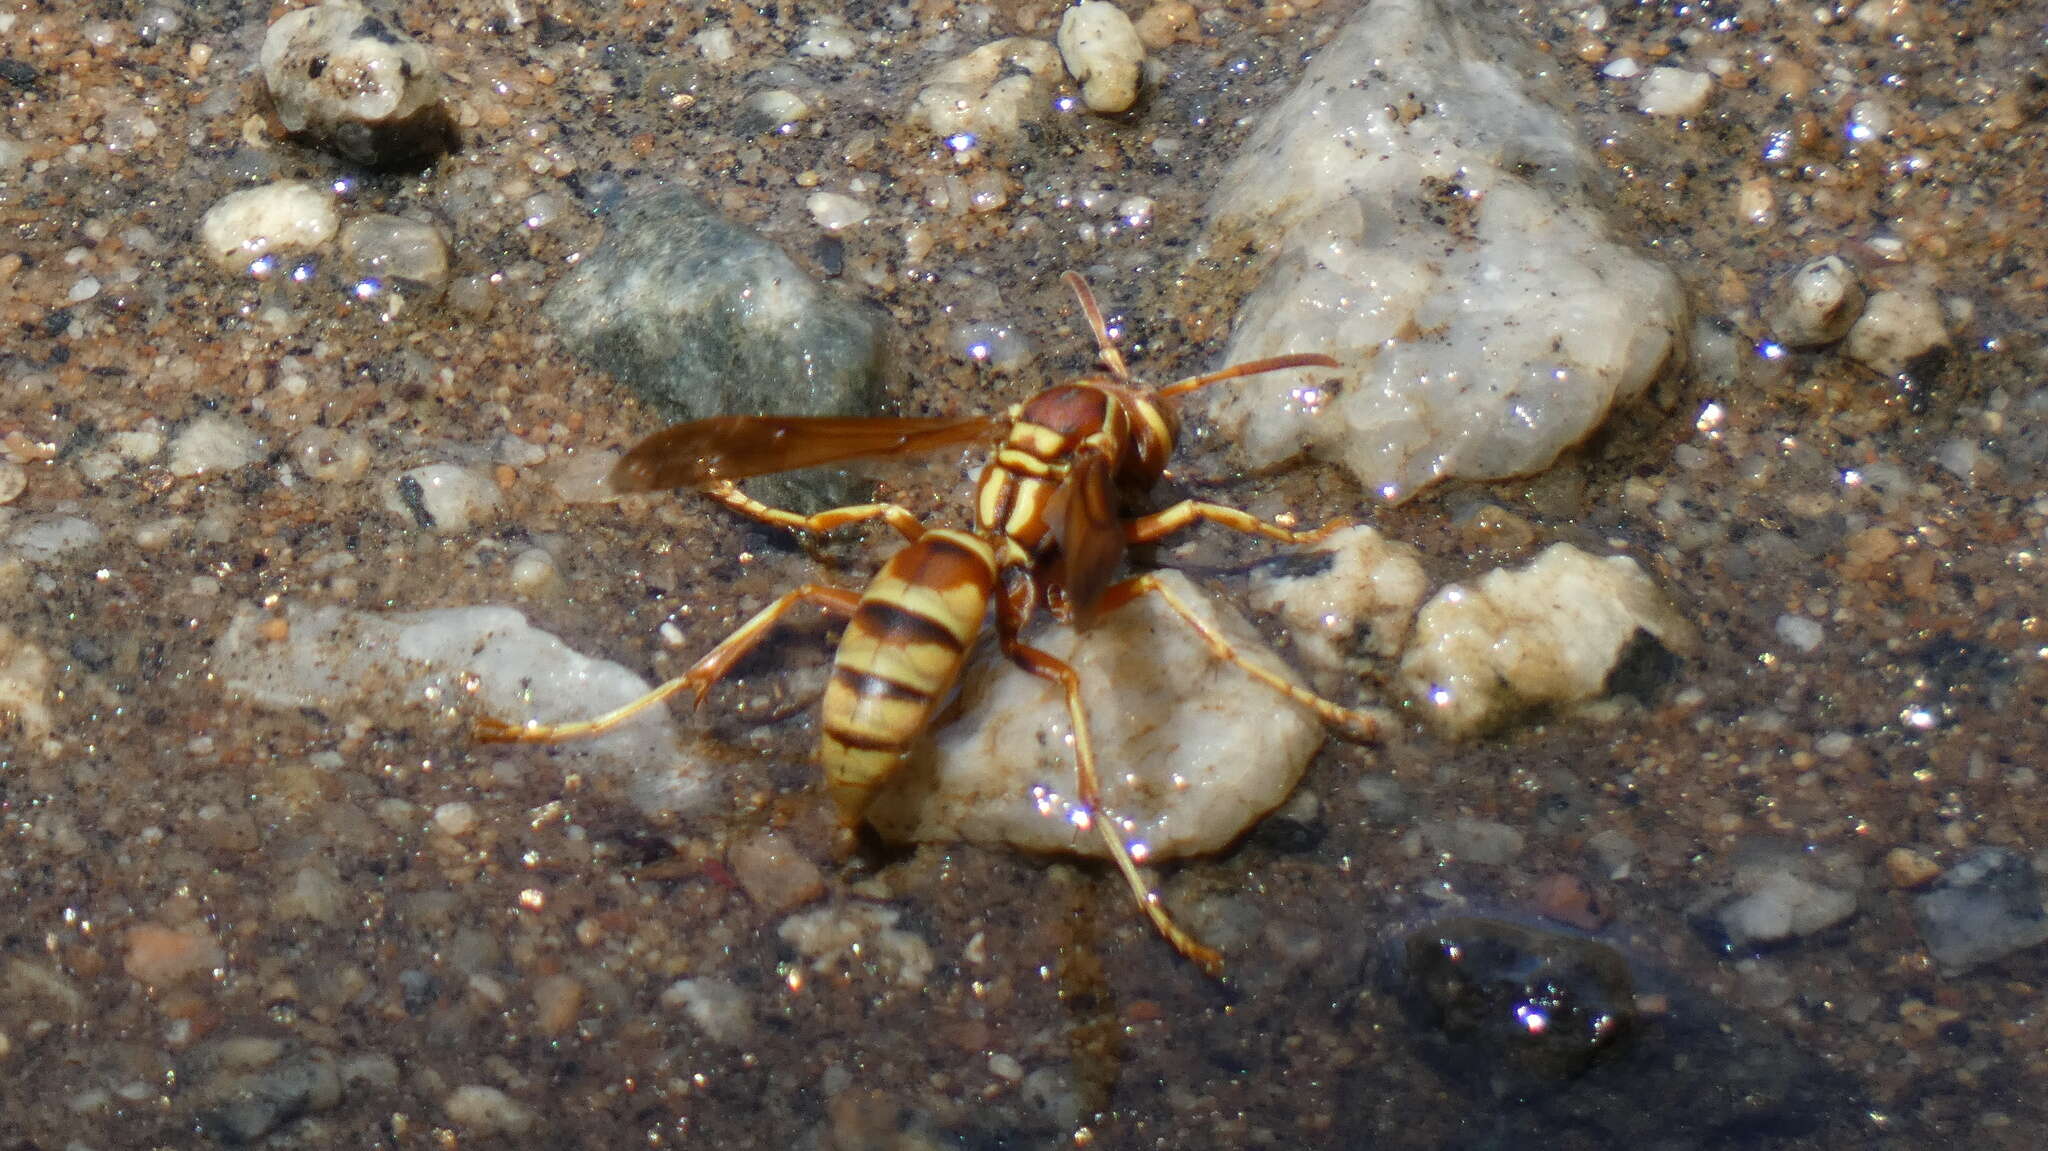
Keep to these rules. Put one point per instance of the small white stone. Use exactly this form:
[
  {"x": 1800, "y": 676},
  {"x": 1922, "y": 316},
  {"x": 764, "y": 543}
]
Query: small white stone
[
  {"x": 718, "y": 1007},
  {"x": 1674, "y": 92},
  {"x": 1779, "y": 906},
  {"x": 1621, "y": 68},
  {"x": 85, "y": 288},
  {"x": 456, "y": 818},
  {"x": 717, "y": 45},
  {"x": 534, "y": 570},
  {"x": 393, "y": 246},
  {"x": 1103, "y": 54},
  {"x": 835, "y": 212},
  {"x": 485, "y": 658},
  {"x": 13, "y": 481},
  {"x": 777, "y": 107},
  {"x": 990, "y": 92},
  {"x": 213, "y": 444},
  {"x": 45, "y": 539},
  {"x": 1815, "y": 304},
  {"x": 1548, "y": 633},
  {"x": 1895, "y": 329},
  {"x": 353, "y": 82},
  {"x": 291, "y": 215},
  {"x": 850, "y": 936},
  {"x": 827, "y": 38},
  {"x": 331, "y": 456},
  {"x": 487, "y": 1110},
  {"x": 24, "y": 685},
  {"x": 444, "y": 498},
  {"x": 1360, "y": 599},
  {"x": 1800, "y": 632}
]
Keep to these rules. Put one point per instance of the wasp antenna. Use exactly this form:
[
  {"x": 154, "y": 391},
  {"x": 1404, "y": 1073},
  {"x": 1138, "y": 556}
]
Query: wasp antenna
[
  {"x": 1249, "y": 368},
  {"x": 1111, "y": 358}
]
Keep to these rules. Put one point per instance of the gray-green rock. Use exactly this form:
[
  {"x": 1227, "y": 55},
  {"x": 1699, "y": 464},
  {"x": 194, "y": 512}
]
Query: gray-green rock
[{"x": 703, "y": 317}]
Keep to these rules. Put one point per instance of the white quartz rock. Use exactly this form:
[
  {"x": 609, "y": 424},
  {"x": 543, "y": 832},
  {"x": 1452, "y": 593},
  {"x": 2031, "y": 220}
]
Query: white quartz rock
[
  {"x": 1674, "y": 92},
  {"x": 445, "y": 498},
  {"x": 244, "y": 226},
  {"x": 1548, "y": 633},
  {"x": 24, "y": 687},
  {"x": 351, "y": 81},
  {"x": 1103, "y": 54},
  {"x": 1192, "y": 751},
  {"x": 484, "y": 658},
  {"x": 1815, "y": 304},
  {"x": 213, "y": 444},
  {"x": 990, "y": 92},
  {"x": 1895, "y": 329},
  {"x": 1356, "y": 593},
  {"x": 1433, "y": 227}
]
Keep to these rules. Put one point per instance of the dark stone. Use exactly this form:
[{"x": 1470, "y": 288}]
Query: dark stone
[
  {"x": 19, "y": 73},
  {"x": 257, "y": 1104},
  {"x": 1694, "y": 1073},
  {"x": 1517, "y": 1006},
  {"x": 703, "y": 317}
]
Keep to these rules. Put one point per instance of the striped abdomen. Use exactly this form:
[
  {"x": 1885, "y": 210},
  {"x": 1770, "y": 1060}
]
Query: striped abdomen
[{"x": 901, "y": 655}]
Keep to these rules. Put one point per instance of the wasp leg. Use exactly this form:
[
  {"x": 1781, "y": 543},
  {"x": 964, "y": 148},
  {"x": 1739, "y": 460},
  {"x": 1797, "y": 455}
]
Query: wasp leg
[
  {"x": 1355, "y": 723},
  {"x": 1089, "y": 790},
  {"x": 898, "y": 517},
  {"x": 699, "y": 678},
  {"x": 1146, "y": 529}
]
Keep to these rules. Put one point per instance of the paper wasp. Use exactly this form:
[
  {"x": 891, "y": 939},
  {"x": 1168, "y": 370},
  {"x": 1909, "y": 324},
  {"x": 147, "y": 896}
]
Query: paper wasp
[{"x": 1047, "y": 531}]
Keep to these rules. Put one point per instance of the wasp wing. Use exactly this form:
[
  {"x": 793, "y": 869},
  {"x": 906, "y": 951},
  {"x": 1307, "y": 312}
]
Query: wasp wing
[
  {"x": 1083, "y": 517},
  {"x": 734, "y": 447}
]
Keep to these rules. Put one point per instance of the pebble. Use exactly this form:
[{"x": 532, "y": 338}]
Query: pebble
[
  {"x": 488, "y": 657},
  {"x": 314, "y": 892},
  {"x": 446, "y": 499},
  {"x": 1802, "y": 633},
  {"x": 248, "y": 1106},
  {"x": 213, "y": 444},
  {"x": 487, "y": 1110},
  {"x": 1815, "y": 304},
  {"x": 836, "y": 212},
  {"x": 1169, "y": 22},
  {"x": 988, "y": 94},
  {"x": 1192, "y": 750},
  {"x": 1357, "y": 592},
  {"x": 1895, "y": 329},
  {"x": 43, "y": 540},
  {"x": 394, "y": 247},
  {"x": 775, "y": 110},
  {"x": 1981, "y": 910},
  {"x": 718, "y": 1007},
  {"x": 1908, "y": 870},
  {"x": 159, "y": 955},
  {"x": 456, "y": 818},
  {"x": 852, "y": 936},
  {"x": 331, "y": 456},
  {"x": 1674, "y": 92},
  {"x": 774, "y": 873},
  {"x": 350, "y": 81},
  {"x": 557, "y": 1002},
  {"x": 703, "y": 317},
  {"x": 1779, "y": 906},
  {"x": 1470, "y": 986},
  {"x": 24, "y": 685},
  {"x": 288, "y": 216},
  {"x": 827, "y": 38},
  {"x": 1458, "y": 296},
  {"x": 534, "y": 571},
  {"x": 1104, "y": 55},
  {"x": 13, "y": 481},
  {"x": 1480, "y": 841},
  {"x": 1546, "y": 634}
]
